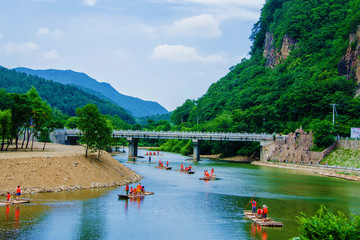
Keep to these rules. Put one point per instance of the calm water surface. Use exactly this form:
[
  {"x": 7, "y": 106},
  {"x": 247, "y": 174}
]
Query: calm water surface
[{"x": 183, "y": 206}]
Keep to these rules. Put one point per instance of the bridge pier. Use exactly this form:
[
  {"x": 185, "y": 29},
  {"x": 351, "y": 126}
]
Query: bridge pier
[
  {"x": 196, "y": 152},
  {"x": 133, "y": 147},
  {"x": 266, "y": 149}
]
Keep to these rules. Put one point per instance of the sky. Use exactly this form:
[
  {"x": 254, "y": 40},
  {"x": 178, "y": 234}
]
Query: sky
[{"x": 165, "y": 51}]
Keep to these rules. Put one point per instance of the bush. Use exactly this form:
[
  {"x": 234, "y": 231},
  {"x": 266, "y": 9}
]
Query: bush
[{"x": 326, "y": 225}]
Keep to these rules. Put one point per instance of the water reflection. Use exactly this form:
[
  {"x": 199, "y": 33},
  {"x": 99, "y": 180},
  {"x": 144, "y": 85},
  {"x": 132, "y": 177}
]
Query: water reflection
[{"x": 258, "y": 232}]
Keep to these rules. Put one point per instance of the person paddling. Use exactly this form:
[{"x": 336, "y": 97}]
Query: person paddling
[
  {"x": 253, "y": 206},
  {"x": 167, "y": 163},
  {"x": 181, "y": 167},
  {"x": 212, "y": 172},
  {"x": 190, "y": 168},
  {"x": 127, "y": 189}
]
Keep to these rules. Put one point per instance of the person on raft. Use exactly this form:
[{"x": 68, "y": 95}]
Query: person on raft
[
  {"x": 206, "y": 174},
  {"x": 8, "y": 197},
  {"x": 259, "y": 212},
  {"x": 18, "y": 192},
  {"x": 167, "y": 163},
  {"x": 159, "y": 162},
  {"x": 253, "y": 203},
  {"x": 190, "y": 168},
  {"x": 264, "y": 212},
  {"x": 127, "y": 189},
  {"x": 181, "y": 167},
  {"x": 212, "y": 172}
]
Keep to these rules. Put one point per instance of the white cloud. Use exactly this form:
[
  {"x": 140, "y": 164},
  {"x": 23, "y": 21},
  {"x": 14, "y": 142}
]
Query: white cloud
[
  {"x": 204, "y": 25},
  {"x": 44, "y": 31},
  {"x": 150, "y": 31},
  {"x": 52, "y": 54},
  {"x": 11, "y": 48},
  {"x": 89, "y": 2},
  {"x": 180, "y": 53}
]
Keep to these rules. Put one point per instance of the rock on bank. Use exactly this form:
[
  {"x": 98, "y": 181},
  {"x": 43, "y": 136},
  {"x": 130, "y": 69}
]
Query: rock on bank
[{"x": 60, "y": 168}]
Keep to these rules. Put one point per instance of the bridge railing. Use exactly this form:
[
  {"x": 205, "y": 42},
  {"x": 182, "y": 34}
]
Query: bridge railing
[{"x": 229, "y": 136}]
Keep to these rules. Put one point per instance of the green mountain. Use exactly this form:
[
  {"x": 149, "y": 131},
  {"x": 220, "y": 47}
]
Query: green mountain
[
  {"x": 136, "y": 106},
  {"x": 66, "y": 98},
  {"x": 304, "y": 57}
]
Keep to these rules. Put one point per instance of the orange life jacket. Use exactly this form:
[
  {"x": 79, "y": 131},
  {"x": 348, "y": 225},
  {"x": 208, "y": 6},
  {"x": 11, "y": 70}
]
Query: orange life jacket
[{"x": 265, "y": 210}]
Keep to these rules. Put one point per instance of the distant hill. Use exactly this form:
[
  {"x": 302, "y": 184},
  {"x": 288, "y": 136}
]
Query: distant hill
[
  {"x": 136, "y": 106},
  {"x": 66, "y": 98}
]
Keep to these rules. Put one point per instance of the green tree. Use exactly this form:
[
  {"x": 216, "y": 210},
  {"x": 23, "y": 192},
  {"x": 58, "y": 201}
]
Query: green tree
[
  {"x": 325, "y": 225},
  {"x": 5, "y": 125},
  {"x": 323, "y": 133},
  {"x": 40, "y": 117},
  {"x": 21, "y": 114},
  {"x": 96, "y": 131}
]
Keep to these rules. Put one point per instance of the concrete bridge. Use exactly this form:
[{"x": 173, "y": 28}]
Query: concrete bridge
[{"x": 70, "y": 136}]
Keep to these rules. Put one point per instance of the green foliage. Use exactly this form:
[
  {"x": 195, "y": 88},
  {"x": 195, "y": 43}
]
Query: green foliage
[
  {"x": 323, "y": 133},
  {"x": 96, "y": 131},
  {"x": 297, "y": 92},
  {"x": 343, "y": 157},
  {"x": 5, "y": 126},
  {"x": 326, "y": 225},
  {"x": 66, "y": 98}
]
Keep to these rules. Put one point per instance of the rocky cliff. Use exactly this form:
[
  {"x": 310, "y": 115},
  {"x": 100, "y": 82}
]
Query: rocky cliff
[
  {"x": 296, "y": 147},
  {"x": 349, "y": 64},
  {"x": 273, "y": 56}
]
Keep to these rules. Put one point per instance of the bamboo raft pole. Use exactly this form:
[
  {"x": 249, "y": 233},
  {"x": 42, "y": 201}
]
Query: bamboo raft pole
[{"x": 268, "y": 223}]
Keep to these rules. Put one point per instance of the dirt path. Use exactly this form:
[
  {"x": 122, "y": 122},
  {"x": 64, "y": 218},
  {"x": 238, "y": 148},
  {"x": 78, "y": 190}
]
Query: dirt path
[{"x": 59, "y": 168}]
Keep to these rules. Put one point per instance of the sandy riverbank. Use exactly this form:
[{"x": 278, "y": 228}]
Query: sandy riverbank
[
  {"x": 324, "y": 172},
  {"x": 60, "y": 168}
]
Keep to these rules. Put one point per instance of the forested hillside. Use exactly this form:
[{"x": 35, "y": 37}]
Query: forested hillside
[
  {"x": 63, "y": 97},
  {"x": 304, "y": 57},
  {"x": 136, "y": 106}
]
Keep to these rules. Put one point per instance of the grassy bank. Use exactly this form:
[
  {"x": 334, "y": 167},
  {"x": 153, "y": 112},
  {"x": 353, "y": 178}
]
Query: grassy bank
[{"x": 343, "y": 157}]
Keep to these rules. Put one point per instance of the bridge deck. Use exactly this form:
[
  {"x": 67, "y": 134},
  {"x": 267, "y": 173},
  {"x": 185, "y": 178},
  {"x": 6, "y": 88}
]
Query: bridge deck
[{"x": 186, "y": 135}]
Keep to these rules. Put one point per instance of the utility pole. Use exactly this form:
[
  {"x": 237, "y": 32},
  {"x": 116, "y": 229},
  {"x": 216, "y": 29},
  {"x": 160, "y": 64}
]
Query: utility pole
[{"x": 334, "y": 111}]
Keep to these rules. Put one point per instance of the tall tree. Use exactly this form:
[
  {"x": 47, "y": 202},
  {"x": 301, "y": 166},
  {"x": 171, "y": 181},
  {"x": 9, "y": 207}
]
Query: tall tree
[
  {"x": 21, "y": 114},
  {"x": 41, "y": 114},
  {"x": 96, "y": 131},
  {"x": 5, "y": 125}
]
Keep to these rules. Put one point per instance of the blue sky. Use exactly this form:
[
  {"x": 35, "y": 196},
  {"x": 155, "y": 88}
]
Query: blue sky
[{"x": 165, "y": 51}]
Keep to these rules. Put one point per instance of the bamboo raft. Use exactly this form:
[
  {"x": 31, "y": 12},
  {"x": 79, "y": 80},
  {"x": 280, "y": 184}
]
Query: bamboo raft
[
  {"x": 124, "y": 196},
  {"x": 186, "y": 171},
  {"x": 14, "y": 201},
  {"x": 269, "y": 222},
  {"x": 209, "y": 178},
  {"x": 164, "y": 167}
]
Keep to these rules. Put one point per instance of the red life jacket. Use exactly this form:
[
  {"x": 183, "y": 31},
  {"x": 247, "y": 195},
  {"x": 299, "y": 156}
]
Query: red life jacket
[
  {"x": 265, "y": 210},
  {"x": 254, "y": 203}
]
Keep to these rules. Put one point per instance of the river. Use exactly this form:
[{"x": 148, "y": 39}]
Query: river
[{"x": 183, "y": 207}]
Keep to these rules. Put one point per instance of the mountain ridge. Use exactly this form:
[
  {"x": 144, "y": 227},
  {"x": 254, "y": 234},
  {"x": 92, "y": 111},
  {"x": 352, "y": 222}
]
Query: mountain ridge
[{"x": 136, "y": 106}]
